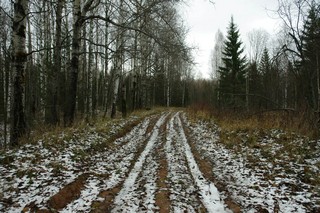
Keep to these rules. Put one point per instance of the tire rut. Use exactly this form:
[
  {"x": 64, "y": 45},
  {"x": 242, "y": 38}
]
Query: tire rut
[
  {"x": 138, "y": 191},
  {"x": 183, "y": 192},
  {"x": 112, "y": 167},
  {"x": 150, "y": 169},
  {"x": 137, "y": 148}
]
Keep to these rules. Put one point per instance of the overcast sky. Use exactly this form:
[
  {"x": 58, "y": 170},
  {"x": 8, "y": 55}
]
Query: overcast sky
[{"x": 204, "y": 19}]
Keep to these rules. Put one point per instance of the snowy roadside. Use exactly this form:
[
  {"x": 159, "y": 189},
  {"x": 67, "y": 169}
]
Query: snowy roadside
[
  {"x": 31, "y": 175},
  {"x": 254, "y": 181},
  {"x": 133, "y": 163}
]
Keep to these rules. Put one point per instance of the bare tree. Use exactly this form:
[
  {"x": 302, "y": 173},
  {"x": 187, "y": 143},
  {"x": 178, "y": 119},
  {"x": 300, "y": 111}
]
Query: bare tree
[
  {"x": 216, "y": 55},
  {"x": 258, "y": 41}
]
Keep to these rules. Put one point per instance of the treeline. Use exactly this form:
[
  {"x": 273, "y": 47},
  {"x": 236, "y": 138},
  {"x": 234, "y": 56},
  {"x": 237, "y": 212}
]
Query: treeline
[
  {"x": 63, "y": 59},
  {"x": 283, "y": 75}
]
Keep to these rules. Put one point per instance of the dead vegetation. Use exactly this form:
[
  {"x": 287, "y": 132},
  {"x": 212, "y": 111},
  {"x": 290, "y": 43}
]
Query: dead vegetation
[
  {"x": 300, "y": 122},
  {"x": 280, "y": 144}
]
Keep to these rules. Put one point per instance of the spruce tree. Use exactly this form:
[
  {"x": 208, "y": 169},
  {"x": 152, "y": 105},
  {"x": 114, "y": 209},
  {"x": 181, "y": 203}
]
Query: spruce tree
[
  {"x": 265, "y": 70},
  {"x": 310, "y": 64},
  {"x": 232, "y": 73}
]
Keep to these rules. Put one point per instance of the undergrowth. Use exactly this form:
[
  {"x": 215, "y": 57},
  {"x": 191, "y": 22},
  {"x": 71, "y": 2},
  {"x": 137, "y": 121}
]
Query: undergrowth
[
  {"x": 290, "y": 121},
  {"x": 57, "y": 135},
  {"x": 277, "y": 137}
]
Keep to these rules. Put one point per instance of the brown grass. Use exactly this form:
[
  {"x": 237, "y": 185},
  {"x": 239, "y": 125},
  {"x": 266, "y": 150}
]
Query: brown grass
[
  {"x": 49, "y": 133},
  {"x": 291, "y": 121}
]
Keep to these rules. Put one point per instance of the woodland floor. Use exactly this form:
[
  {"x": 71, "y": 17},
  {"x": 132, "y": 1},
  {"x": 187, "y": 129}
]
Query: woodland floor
[{"x": 161, "y": 162}]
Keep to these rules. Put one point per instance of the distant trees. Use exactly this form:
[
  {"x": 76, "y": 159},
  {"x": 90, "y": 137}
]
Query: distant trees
[
  {"x": 216, "y": 55},
  {"x": 232, "y": 82},
  {"x": 285, "y": 76}
]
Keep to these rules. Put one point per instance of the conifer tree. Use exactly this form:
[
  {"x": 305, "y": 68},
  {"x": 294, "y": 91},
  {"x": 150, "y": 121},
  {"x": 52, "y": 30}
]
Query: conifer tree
[
  {"x": 311, "y": 52},
  {"x": 265, "y": 71},
  {"x": 232, "y": 73}
]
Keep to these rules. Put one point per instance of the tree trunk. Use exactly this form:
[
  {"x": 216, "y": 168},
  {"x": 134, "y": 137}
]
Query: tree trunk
[
  {"x": 106, "y": 65},
  {"x": 318, "y": 87},
  {"x": 52, "y": 93},
  {"x": 124, "y": 98},
  {"x": 90, "y": 74},
  {"x": 2, "y": 89},
  {"x": 115, "y": 89},
  {"x": 18, "y": 124},
  {"x": 30, "y": 78},
  {"x": 73, "y": 73},
  {"x": 57, "y": 62}
]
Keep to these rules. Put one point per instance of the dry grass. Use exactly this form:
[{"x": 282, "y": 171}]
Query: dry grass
[
  {"x": 290, "y": 121},
  {"x": 289, "y": 134},
  {"x": 57, "y": 135}
]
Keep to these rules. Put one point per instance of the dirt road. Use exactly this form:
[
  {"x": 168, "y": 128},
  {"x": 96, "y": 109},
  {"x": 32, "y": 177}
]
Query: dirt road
[
  {"x": 159, "y": 163},
  {"x": 162, "y": 175}
]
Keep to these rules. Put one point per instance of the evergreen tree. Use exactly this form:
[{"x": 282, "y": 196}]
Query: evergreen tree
[
  {"x": 233, "y": 71},
  {"x": 265, "y": 70},
  {"x": 310, "y": 64},
  {"x": 255, "y": 82}
]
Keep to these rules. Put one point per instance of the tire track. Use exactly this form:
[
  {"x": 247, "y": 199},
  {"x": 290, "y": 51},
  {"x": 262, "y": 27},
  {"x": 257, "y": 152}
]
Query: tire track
[
  {"x": 145, "y": 165},
  {"x": 183, "y": 192},
  {"x": 209, "y": 194},
  {"x": 112, "y": 167},
  {"x": 189, "y": 190},
  {"x": 128, "y": 199}
]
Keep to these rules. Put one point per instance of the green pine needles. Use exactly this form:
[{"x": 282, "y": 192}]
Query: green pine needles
[{"x": 232, "y": 84}]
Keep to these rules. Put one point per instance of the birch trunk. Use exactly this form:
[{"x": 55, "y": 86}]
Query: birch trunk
[
  {"x": 18, "y": 123},
  {"x": 124, "y": 98},
  {"x": 115, "y": 90},
  {"x": 117, "y": 63}
]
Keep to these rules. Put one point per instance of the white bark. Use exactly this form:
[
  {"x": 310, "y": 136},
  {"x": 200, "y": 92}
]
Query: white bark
[{"x": 18, "y": 125}]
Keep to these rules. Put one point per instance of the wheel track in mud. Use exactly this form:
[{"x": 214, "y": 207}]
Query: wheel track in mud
[
  {"x": 183, "y": 193},
  {"x": 122, "y": 153},
  {"x": 184, "y": 186},
  {"x": 150, "y": 169}
]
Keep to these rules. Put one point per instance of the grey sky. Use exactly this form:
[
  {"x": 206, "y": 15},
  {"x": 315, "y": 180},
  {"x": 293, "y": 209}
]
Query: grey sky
[{"x": 204, "y": 19}]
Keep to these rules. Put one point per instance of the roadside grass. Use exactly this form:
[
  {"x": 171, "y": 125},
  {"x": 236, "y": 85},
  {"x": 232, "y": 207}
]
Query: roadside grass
[
  {"x": 87, "y": 136},
  {"x": 57, "y": 135},
  {"x": 286, "y": 120},
  {"x": 279, "y": 138}
]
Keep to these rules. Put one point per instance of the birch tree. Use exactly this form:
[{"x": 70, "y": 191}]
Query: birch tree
[{"x": 18, "y": 122}]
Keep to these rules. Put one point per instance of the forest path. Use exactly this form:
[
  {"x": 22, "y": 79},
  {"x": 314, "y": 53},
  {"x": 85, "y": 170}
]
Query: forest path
[
  {"x": 163, "y": 176},
  {"x": 165, "y": 161}
]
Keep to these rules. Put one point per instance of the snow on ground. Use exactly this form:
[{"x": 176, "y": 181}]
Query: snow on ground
[
  {"x": 127, "y": 199},
  {"x": 181, "y": 163},
  {"x": 32, "y": 174},
  {"x": 114, "y": 162},
  {"x": 257, "y": 184},
  {"x": 209, "y": 193},
  {"x": 183, "y": 194}
]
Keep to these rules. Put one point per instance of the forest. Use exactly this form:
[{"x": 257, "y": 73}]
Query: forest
[
  {"x": 101, "y": 110},
  {"x": 62, "y": 60},
  {"x": 67, "y": 59}
]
